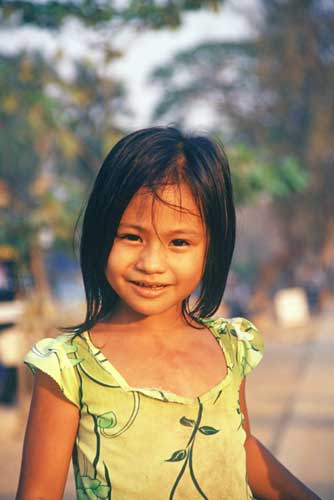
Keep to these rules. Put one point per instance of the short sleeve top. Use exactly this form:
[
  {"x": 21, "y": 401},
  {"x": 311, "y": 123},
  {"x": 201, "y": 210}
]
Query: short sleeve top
[{"x": 135, "y": 443}]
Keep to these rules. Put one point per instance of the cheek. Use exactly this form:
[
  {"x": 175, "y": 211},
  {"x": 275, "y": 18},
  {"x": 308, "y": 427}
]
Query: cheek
[
  {"x": 191, "y": 267},
  {"x": 115, "y": 263}
]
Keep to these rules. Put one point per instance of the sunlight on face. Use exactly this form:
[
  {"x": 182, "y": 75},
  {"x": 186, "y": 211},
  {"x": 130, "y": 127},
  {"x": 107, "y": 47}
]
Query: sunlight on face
[{"x": 158, "y": 256}]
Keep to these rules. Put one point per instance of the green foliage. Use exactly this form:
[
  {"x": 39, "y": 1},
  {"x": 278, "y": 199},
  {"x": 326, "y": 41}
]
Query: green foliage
[
  {"x": 53, "y": 136},
  {"x": 254, "y": 173},
  {"x": 158, "y": 15},
  {"x": 50, "y": 14},
  {"x": 142, "y": 13}
]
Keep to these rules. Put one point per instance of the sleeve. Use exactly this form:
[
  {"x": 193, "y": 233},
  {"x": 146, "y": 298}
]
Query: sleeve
[
  {"x": 56, "y": 357},
  {"x": 249, "y": 344}
]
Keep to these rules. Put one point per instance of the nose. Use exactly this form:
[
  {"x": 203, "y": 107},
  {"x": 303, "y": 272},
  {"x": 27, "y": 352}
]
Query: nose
[{"x": 152, "y": 259}]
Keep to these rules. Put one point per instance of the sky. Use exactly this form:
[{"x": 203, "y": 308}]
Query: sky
[
  {"x": 152, "y": 48},
  {"x": 142, "y": 52}
]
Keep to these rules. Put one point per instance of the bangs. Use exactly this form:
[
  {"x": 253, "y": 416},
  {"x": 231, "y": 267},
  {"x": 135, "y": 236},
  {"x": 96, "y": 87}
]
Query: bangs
[{"x": 175, "y": 176}]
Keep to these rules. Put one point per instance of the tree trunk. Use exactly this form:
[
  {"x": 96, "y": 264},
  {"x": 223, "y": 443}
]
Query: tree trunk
[{"x": 42, "y": 285}]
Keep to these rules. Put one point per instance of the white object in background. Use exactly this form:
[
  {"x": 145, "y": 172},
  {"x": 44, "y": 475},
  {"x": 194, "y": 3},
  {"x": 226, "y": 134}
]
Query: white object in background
[
  {"x": 291, "y": 307},
  {"x": 10, "y": 311},
  {"x": 12, "y": 347}
]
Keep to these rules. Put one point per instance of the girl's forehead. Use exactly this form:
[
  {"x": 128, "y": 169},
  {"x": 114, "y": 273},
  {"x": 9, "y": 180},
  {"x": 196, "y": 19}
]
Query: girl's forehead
[{"x": 170, "y": 201}]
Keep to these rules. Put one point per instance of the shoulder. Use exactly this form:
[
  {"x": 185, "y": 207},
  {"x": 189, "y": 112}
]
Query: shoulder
[
  {"x": 61, "y": 349},
  {"x": 57, "y": 357},
  {"x": 242, "y": 338}
]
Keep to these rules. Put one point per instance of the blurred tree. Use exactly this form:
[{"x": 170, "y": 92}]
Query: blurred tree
[
  {"x": 53, "y": 135},
  {"x": 273, "y": 92},
  {"x": 55, "y": 132},
  {"x": 141, "y": 13},
  {"x": 256, "y": 173},
  {"x": 91, "y": 102}
]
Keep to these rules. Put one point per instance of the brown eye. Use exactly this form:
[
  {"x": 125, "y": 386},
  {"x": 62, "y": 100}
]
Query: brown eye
[
  {"x": 180, "y": 243},
  {"x": 129, "y": 237}
]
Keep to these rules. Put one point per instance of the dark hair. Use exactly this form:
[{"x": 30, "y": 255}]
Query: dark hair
[{"x": 151, "y": 158}]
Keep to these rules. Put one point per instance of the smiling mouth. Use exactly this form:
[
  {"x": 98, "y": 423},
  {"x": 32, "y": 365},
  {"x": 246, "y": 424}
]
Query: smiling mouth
[{"x": 152, "y": 286}]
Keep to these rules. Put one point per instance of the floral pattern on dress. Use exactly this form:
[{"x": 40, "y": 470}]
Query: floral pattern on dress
[{"x": 186, "y": 453}]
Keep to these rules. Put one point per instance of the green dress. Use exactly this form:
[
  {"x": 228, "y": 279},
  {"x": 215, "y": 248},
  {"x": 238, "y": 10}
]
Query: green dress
[{"x": 150, "y": 444}]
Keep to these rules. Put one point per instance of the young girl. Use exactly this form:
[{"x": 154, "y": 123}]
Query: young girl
[{"x": 148, "y": 394}]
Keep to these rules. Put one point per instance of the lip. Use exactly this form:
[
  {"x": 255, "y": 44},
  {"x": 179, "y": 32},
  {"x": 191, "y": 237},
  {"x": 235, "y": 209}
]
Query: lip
[{"x": 148, "y": 291}]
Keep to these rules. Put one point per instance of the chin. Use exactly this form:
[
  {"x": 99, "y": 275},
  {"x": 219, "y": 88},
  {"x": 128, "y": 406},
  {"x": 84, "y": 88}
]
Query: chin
[{"x": 148, "y": 310}]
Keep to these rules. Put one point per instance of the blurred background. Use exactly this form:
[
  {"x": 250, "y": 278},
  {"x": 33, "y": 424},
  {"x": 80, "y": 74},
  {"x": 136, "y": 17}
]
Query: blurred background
[{"x": 259, "y": 75}]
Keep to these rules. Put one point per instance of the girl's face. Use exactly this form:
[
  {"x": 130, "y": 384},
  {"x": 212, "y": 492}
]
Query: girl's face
[{"x": 158, "y": 255}]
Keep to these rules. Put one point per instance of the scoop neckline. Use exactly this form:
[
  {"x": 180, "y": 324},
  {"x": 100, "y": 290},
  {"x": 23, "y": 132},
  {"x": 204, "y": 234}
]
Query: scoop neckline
[{"x": 158, "y": 392}]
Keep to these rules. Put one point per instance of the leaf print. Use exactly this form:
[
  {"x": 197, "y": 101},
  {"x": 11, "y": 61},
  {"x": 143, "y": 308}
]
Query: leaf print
[
  {"x": 233, "y": 332},
  {"x": 186, "y": 453},
  {"x": 216, "y": 325},
  {"x": 90, "y": 483},
  {"x": 220, "y": 325},
  {"x": 102, "y": 491},
  {"x": 187, "y": 422},
  {"x": 107, "y": 420},
  {"x": 93, "y": 489},
  {"x": 81, "y": 495},
  {"x": 207, "y": 430},
  {"x": 251, "y": 337},
  {"x": 177, "y": 456}
]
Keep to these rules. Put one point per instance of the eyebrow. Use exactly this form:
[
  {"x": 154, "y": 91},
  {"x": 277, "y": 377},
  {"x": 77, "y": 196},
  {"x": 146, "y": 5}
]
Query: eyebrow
[{"x": 180, "y": 231}]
